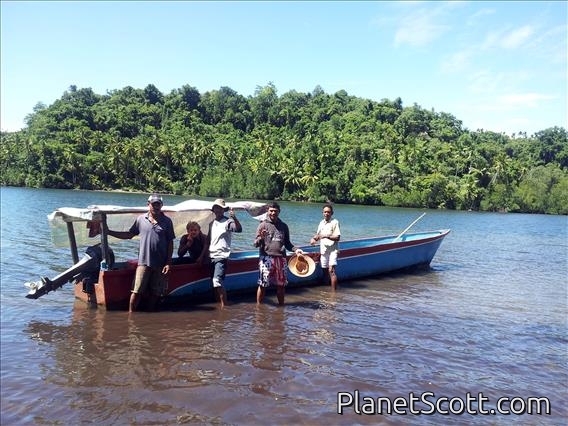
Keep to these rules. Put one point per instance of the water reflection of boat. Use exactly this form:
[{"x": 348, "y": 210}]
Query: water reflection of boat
[{"x": 110, "y": 286}]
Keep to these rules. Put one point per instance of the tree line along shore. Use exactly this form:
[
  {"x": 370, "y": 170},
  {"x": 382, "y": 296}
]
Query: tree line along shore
[{"x": 295, "y": 146}]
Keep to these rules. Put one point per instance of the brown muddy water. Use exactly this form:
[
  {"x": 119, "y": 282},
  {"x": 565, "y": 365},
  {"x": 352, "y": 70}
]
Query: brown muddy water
[{"x": 489, "y": 318}]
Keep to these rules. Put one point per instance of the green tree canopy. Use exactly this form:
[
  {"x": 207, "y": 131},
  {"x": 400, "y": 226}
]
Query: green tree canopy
[{"x": 297, "y": 146}]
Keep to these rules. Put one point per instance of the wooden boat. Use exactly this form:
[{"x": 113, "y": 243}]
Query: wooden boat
[{"x": 110, "y": 288}]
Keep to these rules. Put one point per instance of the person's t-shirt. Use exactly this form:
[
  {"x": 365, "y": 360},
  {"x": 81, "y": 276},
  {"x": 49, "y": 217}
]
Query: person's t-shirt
[
  {"x": 154, "y": 239},
  {"x": 220, "y": 232},
  {"x": 330, "y": 228}
]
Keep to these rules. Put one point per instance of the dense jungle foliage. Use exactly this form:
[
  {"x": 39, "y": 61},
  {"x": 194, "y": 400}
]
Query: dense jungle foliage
[{"x": 297, "y": 146}]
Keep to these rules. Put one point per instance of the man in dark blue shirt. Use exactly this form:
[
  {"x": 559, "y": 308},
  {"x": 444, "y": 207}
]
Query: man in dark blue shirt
[{"x": 157, "y": 236}]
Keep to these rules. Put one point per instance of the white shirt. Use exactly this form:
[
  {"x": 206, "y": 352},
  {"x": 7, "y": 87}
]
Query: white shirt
[
  {"x": 221, "y": 230},
  {"x": 330, "y": 228}
]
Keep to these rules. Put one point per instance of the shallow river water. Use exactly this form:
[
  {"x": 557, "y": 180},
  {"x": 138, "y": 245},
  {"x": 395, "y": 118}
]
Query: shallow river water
[{"x": 489, "y": 320}]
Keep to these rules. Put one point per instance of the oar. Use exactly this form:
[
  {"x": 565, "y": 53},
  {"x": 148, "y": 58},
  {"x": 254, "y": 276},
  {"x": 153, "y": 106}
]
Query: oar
[{"x": 409, "y": 226}]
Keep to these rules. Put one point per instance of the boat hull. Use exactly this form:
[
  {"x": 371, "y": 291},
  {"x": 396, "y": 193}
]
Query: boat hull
[{"x": 191, "y": 283}]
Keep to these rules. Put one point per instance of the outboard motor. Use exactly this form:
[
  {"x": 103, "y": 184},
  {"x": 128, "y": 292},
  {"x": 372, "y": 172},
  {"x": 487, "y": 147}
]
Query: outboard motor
[{"x": 87, "y": 270}]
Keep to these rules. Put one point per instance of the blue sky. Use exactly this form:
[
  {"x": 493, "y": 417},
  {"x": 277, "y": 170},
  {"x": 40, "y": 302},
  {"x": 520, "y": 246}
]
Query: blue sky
[{"x": 499, "y": 66}]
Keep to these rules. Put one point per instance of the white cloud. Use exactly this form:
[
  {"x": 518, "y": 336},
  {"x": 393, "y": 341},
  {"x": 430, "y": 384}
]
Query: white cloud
[
  {"x": 457, "y": 62},
  {"x": 551, "y": 44},
  {"x": 500, "y": 124},
  {"x": 509, "y": 38},
  {"x": 491, "y": 40},
  {"x": 497, "y": 115},
  {"x": 510, "y": 102},
  {"x": 484, "y": 81},
  {"x": 522, "y": 100},
  {"x": 418, "y": 31},
  {"x": 422, "y": 26},
  {"x": 488, "y": 82},
  {"x": 478, "y": 16},
  {"x": 516, "y": 38}
]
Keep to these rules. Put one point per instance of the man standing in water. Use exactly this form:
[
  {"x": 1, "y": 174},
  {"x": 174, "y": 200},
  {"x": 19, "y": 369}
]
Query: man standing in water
[
  {"x": 272, "y": 240},
  {"x": 157, "y": 236},
  {"x": 218, "y": 246},
  {"x": 328, "y": 235}
]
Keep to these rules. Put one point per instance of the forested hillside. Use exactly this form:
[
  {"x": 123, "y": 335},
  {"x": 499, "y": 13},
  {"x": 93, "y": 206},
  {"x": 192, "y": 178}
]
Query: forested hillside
[{"x": 295, "y": 146}]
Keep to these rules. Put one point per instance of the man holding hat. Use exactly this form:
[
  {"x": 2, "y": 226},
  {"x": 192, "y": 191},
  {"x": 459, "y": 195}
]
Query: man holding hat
[
  {"x": 157, "y": 236},
  {"x": 272, "y": 240},
  {"x": 218, "y": 245}
]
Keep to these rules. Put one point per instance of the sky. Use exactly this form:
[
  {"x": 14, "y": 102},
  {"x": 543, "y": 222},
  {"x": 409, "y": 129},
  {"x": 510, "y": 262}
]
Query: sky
[{"x": 497, "y": 66}]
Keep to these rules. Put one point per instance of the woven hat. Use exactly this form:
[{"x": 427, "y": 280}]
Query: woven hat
[{"x": 301, "y": 265}]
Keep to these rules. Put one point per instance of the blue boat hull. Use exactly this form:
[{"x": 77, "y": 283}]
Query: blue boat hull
[
  {"x": 360, "y": 258},
  {"x": 357, "y": 259}
]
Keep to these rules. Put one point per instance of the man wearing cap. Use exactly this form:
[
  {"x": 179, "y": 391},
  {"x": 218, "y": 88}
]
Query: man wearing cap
[
  {"x": 272, "y": 240},
  {"x": 157, "y": 236},
  {"x": 218, "y": 245}
]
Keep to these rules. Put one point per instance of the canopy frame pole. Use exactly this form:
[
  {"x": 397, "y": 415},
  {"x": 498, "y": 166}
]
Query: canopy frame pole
[
  {"x": 104, "y": 240},
  {"x": 72, "y": 242}
]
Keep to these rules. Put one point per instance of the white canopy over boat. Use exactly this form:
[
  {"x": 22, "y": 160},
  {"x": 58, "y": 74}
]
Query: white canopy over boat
[
  {"x": 95, "y": 212},
  {"x": 121, "y": 218}
]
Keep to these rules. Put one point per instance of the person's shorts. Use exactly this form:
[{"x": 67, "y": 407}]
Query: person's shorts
[
  {"x": 328, "y": 259},
  {"x": 218, "y": 271},
  {"x": 272, "y": 271},
  {"x": 151, "y": 279}
]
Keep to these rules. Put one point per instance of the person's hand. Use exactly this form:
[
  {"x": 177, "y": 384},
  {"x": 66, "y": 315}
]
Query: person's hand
[
  {"x": 299, "y": 251},
  {"x": 313, "y": 242},
  {"x": 166, "y": 269}
]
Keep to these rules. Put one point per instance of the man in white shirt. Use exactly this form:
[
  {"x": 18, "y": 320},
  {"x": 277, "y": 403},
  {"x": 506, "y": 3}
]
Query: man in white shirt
[
  {"x": 328, "y": 235},
  {"x": 218, "y": 244}
]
